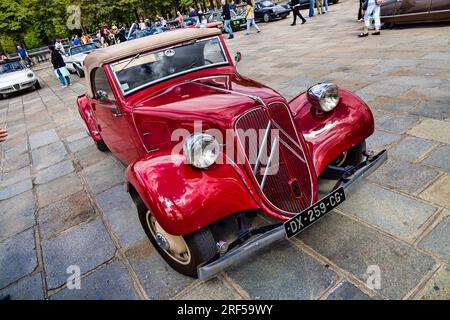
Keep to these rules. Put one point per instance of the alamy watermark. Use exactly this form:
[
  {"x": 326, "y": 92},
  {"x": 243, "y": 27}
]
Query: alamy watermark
[
  {"x": 373, "y": 277},
  {"x": 74, "y": 17},
  {"x": 74, "y": 280}
]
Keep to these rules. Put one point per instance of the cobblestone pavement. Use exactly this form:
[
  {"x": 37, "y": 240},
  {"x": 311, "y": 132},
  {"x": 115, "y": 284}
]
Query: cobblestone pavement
[{"x": 63, "y": 202}]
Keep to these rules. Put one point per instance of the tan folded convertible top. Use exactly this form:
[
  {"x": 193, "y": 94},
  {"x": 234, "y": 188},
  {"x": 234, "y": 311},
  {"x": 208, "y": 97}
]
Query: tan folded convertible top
[{"x": 125, "y": 49}]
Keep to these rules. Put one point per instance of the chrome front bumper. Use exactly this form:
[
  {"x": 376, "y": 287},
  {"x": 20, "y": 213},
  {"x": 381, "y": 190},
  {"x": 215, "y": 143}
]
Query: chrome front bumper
[
  {"x": 18, "y": 87},
  {"x": 235, "y": 255}
]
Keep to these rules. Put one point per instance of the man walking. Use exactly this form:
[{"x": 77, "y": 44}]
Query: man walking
[
  {"x": 295, "y": 6},
  {"x": 226, "y": 15},
  {"x": 311, "y": 8}
]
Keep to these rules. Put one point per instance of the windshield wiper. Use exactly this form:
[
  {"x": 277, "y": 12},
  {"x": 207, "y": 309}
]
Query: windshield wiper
[{"x": 134, "y": 58}]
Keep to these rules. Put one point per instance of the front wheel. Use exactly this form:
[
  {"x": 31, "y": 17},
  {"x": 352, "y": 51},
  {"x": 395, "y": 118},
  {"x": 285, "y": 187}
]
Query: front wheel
[
  {"x": 266, "y": 17},
  {"x": 351, "y": 157},
  {"x": 79, "y": 72},
  {"x": 37, "y": 85},
  {"x": 182, "y": 253}
]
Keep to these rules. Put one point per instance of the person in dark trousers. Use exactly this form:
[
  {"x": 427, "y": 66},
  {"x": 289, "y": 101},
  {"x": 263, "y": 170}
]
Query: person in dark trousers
[
  {"x": 60, "y": 67},
  {"x": 360, "y": 10},
  {"x": 226, "y": 15},
  {"x": 295, "y": 6}
]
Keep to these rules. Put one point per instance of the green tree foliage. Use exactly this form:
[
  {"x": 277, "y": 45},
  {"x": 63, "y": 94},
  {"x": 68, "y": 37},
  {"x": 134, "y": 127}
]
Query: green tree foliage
[{"x": 35, "y": 23}]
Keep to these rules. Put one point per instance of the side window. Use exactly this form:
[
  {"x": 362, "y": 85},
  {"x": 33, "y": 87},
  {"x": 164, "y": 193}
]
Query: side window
[{"x": 102, "y": 89}]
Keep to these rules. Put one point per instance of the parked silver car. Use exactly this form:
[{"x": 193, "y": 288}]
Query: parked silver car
[
  {"x": 75, "y": 56},
  {"x": 15, "y": 76}
]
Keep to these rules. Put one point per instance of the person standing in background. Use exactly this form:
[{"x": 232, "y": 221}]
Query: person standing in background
[
  {"x": 250, "y": 16},
  {"x": 325, "y": 3},
  {"x": 180, "y": 20},
  {"x": 320, "y": 8},
  {"x": 194, "y": 15},
  {"x": 373, "y": 7},
  {"x": 59, "y": 46},
  {"x": 360, "y": 10},
  {"x": 295, "y": 6},
  {"x": 23, "y": 54},
  {"x": 226, "y": 15},
  {"x": 142, "y": 25},
  {"x": 60, "y": 67},
  {"x": 311, "y": 8}
]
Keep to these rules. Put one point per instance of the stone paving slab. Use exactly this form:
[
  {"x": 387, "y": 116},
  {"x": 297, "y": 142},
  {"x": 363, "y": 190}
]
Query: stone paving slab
[
  {"x": 17, "y": 257},
  {"x": 281, "y": 272},
  {"x": 86, "y": 247},
  {"x": 17, "y": 214},
  {"x": 440, "y": 158},
  {"x": 111, "y": 282},
  {"x": 403, "y": 176},
  {"x": 433, "y": 241},
  {"x": 399, "y": 215},
  {"x": 438, "y": 287},
  {"x": 347, "y": 291},
  {"x": 158, "y": 279},
  {"x": 354, "y": 247},
  {"x": 27, "y": 288},
  {"x": 120, "y": 211}
]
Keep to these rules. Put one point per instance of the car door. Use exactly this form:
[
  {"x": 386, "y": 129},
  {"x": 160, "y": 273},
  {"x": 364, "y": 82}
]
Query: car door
[
  {"x": 440, "y": 10},
  {"x": 115, "y": 124},
  {"x": 388, "y": 10},
  {"x": 412, "y": 10}
]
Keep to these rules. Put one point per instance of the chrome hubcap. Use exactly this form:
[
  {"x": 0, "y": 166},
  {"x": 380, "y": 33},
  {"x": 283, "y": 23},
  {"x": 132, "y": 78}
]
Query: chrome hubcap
[{"x": 174, "y": 246}]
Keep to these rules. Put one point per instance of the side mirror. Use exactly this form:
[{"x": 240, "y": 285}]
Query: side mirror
[
  {"x": 101, "y": 95},
  {"x": 237, "y": 57}
]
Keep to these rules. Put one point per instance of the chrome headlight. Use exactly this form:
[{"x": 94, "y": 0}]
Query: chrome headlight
[
  {"x": 201, "y": 150},
  {"x": 30, "y": 75},
  {"x": 325, "y": 96}
]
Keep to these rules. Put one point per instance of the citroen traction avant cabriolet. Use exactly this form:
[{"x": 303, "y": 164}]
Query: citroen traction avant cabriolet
[{"x": 210, "y": 151}]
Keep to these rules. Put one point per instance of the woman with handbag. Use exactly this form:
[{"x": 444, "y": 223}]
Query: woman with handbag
[
  {"x": 60, "y": 67},
  {"x": 371, "y": 7}
]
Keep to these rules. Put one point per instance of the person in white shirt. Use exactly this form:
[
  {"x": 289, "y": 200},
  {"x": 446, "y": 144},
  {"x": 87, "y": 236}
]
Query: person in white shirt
[
  {"x": 59, "y": 46},
  {"x": 142, "y": 25}
]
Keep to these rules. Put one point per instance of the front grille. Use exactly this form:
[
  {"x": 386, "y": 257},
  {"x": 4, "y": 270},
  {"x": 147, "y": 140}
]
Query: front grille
[
  {"x": 16, "y": 87},
  {"x": 284, "y": 179}
]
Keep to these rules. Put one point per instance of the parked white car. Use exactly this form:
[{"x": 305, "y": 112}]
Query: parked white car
[
  {"x": 15, "y": 76},
  {"x": 75, "y": 56}
]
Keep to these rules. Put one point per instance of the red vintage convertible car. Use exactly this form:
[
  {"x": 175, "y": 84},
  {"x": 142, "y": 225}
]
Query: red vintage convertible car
[{"x": 209, "y": 151}]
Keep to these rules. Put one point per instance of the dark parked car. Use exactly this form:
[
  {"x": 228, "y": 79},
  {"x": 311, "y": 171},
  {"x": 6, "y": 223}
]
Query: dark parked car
[
  {"x": 406, "y": 11},
  {"x": 266, "y": 11},
  {"x": 305, "y": 3}
]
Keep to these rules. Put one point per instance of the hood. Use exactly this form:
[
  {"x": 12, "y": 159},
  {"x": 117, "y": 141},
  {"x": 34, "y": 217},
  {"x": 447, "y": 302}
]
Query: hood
[
  {"x": 80, "y": 56},
  {"x": 219, "y": 100},
  {"x": 187, "y": 105},
  {"x": 11, "y": 78},
  {"x": 279, "y": 8}
]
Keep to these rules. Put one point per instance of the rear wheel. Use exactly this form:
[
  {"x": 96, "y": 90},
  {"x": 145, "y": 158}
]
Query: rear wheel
[
  {"x": 101, "y": 145},
  {"x": 182, "y": 253}
]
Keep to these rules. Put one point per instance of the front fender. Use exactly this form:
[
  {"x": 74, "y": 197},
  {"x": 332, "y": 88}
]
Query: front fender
[
  {"x": 87, "y": 114},
  {"x": 184, "y": 199},
  {"x": 329, "y": 135}
]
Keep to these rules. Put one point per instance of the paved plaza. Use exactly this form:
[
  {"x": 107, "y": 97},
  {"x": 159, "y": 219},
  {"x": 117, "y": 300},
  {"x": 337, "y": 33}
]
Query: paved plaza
[{"x": 63, "y": 202}]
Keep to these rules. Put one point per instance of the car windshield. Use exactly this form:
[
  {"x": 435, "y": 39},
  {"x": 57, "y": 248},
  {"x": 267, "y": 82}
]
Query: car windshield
[
  {"x": 266, "y": 4},
  {"x": 84, "y": 48},
  {"x": 145, "y": 69},
  {"x": 11, "y": 67}
]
